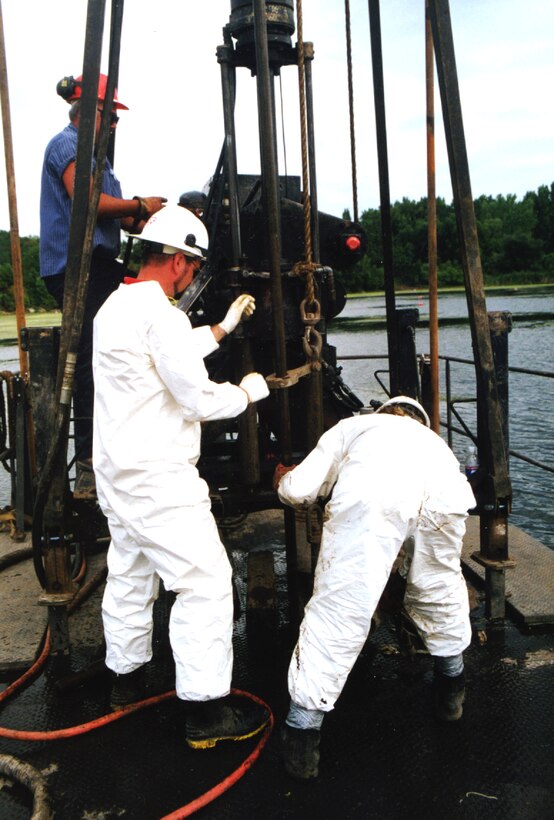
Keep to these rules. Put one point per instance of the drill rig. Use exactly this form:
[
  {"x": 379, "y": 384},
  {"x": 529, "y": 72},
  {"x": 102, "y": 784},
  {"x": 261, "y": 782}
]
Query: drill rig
[{"x": 267, "y": 238}]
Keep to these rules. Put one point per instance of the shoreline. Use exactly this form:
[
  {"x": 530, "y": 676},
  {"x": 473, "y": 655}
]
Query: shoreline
[{"x": 53, "y": 318}]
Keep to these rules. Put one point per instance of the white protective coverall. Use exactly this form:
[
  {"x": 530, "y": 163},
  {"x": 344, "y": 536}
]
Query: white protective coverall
[
  {"x": 152, "y": 391},
  {"x": 391, "y": 478}
]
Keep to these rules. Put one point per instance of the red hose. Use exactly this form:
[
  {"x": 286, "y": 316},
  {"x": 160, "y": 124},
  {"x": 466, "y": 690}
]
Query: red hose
[
  {"x": 234, "y": 777},
  {"x": 17, "y": 684},
  {"x": 83, "y": 728}
]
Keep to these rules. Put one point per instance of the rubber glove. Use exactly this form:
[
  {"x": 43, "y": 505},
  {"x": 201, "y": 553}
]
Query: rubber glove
[
  {"x": 255, "y": 386},
  {"x": 244, "y": 305},
  {"x": 280, "y": 471}
]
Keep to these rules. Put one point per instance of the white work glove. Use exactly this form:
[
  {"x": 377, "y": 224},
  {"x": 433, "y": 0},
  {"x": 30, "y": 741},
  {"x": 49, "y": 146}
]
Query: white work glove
[
  {"x": 255, "y": 386},
  {"x": 245, "y": 305}
]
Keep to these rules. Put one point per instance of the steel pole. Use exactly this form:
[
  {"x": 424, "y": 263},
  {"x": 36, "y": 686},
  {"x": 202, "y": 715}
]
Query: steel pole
[
  {"x": 386, "y": 223},
  {"x": 493, "y": 451},
  {"x": 17, "y": 268},
  {"x": 432, "y": 226},
  {"x": 271, "y": 199}
]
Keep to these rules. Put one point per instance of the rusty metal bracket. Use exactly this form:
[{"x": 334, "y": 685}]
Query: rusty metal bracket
[
  {"x": 489, "y": 563},
  {"x": 293, "y": 376}
]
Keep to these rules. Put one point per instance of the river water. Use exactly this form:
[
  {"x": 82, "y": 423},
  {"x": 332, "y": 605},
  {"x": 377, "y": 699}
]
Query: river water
[
  {"x": 531, "y": 398},
  {"x": 531, "y": 402}
]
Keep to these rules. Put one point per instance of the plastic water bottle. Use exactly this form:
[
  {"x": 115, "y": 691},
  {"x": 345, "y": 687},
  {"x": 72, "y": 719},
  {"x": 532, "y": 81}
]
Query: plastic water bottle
[{"x": 472, "y": 460}]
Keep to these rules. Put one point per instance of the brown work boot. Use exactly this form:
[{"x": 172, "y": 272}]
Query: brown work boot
[
  {"x": 229, "y": 718},
  {"x": 85, "y": 484},
  {"x": 300, "y": 749},
  {"x": 448, "y": 696}
]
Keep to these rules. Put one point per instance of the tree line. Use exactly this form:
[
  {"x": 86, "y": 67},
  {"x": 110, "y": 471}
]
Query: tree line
[{"x": 516, "y": 239}]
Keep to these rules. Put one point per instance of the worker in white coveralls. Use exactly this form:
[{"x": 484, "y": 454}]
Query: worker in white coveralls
[
  {"x": 152, "y": 390},
  {"x": 392, "y": 482}
]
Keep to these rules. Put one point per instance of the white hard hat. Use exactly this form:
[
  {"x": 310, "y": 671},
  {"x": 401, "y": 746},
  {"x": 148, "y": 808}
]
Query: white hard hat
[
  {"x": 406, "y": 400},
  {"x": 176, "y": 229}
]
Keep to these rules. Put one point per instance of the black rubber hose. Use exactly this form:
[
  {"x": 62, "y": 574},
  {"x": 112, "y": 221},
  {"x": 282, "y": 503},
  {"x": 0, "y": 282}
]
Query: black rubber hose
[{"x": 15, "y": 557}]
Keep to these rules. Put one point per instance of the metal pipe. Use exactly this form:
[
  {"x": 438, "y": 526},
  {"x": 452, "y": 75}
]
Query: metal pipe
[
  {"x": 408, "y": 377},
  {"x": 386, "y": 222},
  {"x": 248, "y": 421},
  {"x": 12, "y": 199},
  {"x": 15, "y": 245},
  {"x": 48, "y": 517},
  {"x": 228, "y": 85},
  {"x": 19, "y": 405},
  {"x": 491, "y": 444},
  {"x": 308, "y": 57},
  {"x": 270, "y": 194},
  {"x": 432, "y": 226},
  {"x": 314, "y": 415},
  {"x": 351, "y": 109},
  {"x": 448, "y": 403},
  {"x": 500, "y": 322},
  {"x": 51, "y": 489}
]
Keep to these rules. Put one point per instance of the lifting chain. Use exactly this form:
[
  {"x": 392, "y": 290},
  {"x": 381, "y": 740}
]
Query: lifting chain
[
  {"x": 310, "y": 315},
  {"x": 310, "y": 310}
]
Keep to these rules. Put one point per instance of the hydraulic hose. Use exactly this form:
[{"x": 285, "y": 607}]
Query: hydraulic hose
[
  {"x": 81, "y": 233},
  {"x": 75, "y": 731},
  {"x": 234, "y": 777},
  {"x": 15, "y": 557},
  {"x": 189, "y": 808}
]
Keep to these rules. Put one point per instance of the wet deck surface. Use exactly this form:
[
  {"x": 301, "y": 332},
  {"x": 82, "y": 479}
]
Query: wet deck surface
[{"x": 383, "y": 755}]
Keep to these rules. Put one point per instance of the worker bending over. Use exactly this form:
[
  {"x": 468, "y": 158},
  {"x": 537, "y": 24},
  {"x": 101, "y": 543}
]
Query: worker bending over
[
  {"x": 152, "y": 390},
  {"x": 392, "y": 482}
]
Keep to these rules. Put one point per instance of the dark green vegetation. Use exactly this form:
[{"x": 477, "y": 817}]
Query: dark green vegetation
[
  {"x": 36, "y": 295},
  {"x": 516, "y": 239}
]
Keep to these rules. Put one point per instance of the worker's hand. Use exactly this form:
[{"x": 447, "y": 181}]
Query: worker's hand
[
  {"x": 280, "y": 471},
  {"x": 244, "y": 305},
  {"x": 255, "y": 387},
  {"x": 151, "y": 205}
]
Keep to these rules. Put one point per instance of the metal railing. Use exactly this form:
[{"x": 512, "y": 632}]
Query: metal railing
[
  {"x": 451, "y": 407},
  {"x": 451, "y": 410}
]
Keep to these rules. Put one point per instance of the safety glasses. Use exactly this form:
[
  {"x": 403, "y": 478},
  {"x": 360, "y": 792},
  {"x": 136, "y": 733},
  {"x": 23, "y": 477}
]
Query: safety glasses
[{"x": 114, "y": 119}]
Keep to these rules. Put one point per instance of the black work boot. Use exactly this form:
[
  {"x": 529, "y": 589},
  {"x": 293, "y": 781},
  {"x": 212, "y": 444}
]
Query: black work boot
[
  {"x": 229, "y": 718},
  {"x": 448, "y": 696},
  {"x": 300, "y": 752},
  {"x": 128, "y": 689}
]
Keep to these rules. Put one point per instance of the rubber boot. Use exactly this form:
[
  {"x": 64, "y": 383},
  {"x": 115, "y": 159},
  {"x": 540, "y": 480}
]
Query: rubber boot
[
  {"x": 128, "y": 689},
  {"x": 229, "y": 718},
  {"x": 448, "y": 696},
  {"x": 300, "y": 752}
]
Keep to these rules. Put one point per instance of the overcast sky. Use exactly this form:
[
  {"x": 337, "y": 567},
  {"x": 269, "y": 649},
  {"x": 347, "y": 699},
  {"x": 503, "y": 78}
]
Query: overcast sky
[{"x": 170, "y": 139}]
